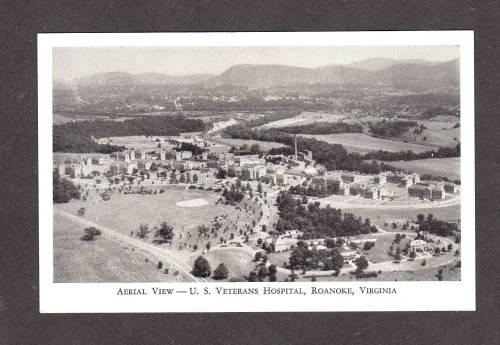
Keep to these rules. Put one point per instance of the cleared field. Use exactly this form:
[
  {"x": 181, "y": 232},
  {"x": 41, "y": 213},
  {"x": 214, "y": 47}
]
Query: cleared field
[
  {"x": 447, "y": 167},
  {"x": 445, "y": 213},
  {"x": 238, "y": 261},
  {"x": 440, "y": 137},
  {"x": 379, "y": 252},
  {"x": 100, "y": 261},
  {"x": 264, "y": 145},
  {"x": 450, "y": 273},
  {"x": 138, "y": 142},
  {"x": 363, "y": 143},
  {"x": 304, "y": 119}
]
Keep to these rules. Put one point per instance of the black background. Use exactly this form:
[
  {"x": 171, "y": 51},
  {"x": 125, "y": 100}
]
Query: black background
[{"x": 20, "y": 322}]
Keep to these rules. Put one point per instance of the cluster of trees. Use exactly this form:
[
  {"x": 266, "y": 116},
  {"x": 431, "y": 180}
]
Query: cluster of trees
[
  {"x": 436, "y": 226},
  {"x": 201, "y": 268},
  {"x": 164, "y": 234},
  {"x": 195, "y": 149},
  {"x": 305, "y": 258},
  {"x": 316, "y": 222},
  {"x": 386, "y": 128},
  {"x": 323, "y": 128},
  {"x": 78, "y": 136},
  {"x": 63, "y": 189},
  {"x": 233, "y": 195}
]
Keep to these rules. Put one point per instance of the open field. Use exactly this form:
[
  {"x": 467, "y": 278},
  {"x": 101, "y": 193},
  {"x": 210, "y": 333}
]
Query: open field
[
  {"x": 264, "y": 145},
  {"x": 99, "y": 261},
  {"x": 450, "y": 273},
  {"x": 446, "y": 167},
  {"x": 363, "y": 143},
  {"x": 138, "y": 142},
  {"x": 126, "y": 213},
  {"x": 304, "y": 119},
  {"x": 238, "y": 262},
  {"x": 449, "y": 213},
  {"x": 440, "y": 137}
]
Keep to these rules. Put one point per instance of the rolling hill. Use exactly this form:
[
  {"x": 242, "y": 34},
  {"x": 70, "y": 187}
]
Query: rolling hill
[{"x": 403, "y": 74}]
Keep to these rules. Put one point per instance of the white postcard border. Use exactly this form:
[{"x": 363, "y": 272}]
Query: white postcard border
[{"x": 410, "y": 296}]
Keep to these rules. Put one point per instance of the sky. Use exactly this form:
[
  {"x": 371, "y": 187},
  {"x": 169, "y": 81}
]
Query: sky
[{"x": 71, "y": 63}]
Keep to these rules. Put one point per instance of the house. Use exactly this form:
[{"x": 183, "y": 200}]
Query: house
[
  {"x": 118, "y": 168},
  {"x": 293, "y": 233},
  {"x": 349, "y": 255},
  {"x": 420, "y": 191},
  {"x": 450, "y": 188},
  {"x": 418, "y": 245},
  {"x": 437, "y": 193},
  {"x": 380, "y": 178}
]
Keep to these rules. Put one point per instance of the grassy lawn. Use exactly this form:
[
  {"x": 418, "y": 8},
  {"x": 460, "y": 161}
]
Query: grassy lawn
[
  {"x": 100, "y": 261},
  {"x": 239, "y": 262},
  {"x": 447, "y": 167},
  {"x": 450, "y": 273},
  {"x": 379, "y": 252},
  {"x": 374, "y": 214},
  {"x": 125, "y": 213},
  {"x": 304, "y": 119},
  {"x": 264, "y": 145},
  {"x": 363, "y": 143}
]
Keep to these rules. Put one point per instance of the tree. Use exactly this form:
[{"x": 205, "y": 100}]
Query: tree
[
  {"x": 272, "y": 269},
  {"x": 252, "y": 277},
  {"x": 90, "y": 234},
  {"x": 221, "y": 173},
  {"x": 361, "y": 263},
  {"x": 272, "y": 277},
  {"x": 397, "y": 256},
  {"x": 81, "y": 211},
  {"x": 221, "y": 272},
  {"x": 337, "y": 259},
  {"x": 160, "y": 265},
  {"x": 259, "y": 188},
  {"x": 165, "y": 233},
  {"x": 63, "y": 189},
  {"x": 182, "y": 179},
  {"x": 201, "y": 267},
  {"x": 259, "y": 255},
  {"x": 255, "y": 148},
  {"x": 143, "y": 230},
  {"x": 195, "y": 178},
  {"x": 263, "y": 272}
]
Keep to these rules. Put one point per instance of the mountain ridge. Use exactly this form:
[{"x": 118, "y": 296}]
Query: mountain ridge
[{"x": 409, "y": 74}]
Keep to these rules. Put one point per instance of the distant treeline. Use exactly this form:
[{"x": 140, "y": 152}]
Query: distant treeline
[
  {"x": 386, "y": 128},
  {"x": 332, "y": 156},
  {"x": 316, "y": 221},
  {"x": 323, "y": 128},
  {"x": 251, "y": 104},
  {"x": 77, "y": 136}
]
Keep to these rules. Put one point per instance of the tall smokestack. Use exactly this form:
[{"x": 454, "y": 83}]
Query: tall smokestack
[{"x": 295, "y": 137}]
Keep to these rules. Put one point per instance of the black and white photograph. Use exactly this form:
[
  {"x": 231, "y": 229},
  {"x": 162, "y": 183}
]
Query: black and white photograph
[{"x": 290, "y": 166}]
